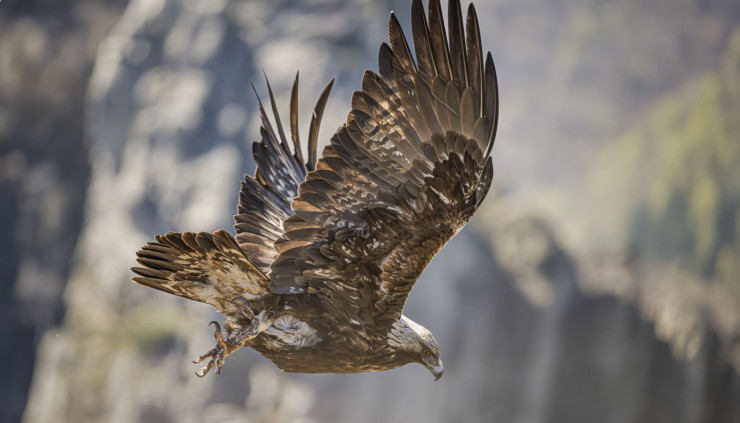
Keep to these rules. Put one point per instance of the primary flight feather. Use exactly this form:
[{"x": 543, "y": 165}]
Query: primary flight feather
[{"x": 326, "y": 252}]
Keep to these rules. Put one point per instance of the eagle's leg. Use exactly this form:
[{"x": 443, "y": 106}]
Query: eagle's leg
[
  {"x": 218, "y": 354},
  {"x": 257, "y": 324}
]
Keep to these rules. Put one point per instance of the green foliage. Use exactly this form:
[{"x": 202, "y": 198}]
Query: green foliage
[{"x": 675, "y": 176}]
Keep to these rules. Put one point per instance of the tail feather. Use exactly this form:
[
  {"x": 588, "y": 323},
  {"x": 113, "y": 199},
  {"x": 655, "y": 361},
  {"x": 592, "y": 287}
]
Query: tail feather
[{"x": 205, "y": 267}]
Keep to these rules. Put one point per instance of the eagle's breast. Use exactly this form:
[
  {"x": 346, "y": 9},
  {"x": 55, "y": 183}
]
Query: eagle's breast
[{"x": 288, "y": 331}]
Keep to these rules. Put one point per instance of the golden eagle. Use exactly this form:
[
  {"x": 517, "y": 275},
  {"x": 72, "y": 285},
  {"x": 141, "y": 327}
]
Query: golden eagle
[{"x": 326, "y": 252}]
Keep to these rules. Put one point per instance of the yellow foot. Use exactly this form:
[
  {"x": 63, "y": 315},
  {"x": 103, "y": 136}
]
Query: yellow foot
[
  {"x": 218, "y": 354},
  {"x": 257, "y": 324}
]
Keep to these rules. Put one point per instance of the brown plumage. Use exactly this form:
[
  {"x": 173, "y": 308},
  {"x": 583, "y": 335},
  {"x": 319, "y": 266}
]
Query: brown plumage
[{"x": 326, "y": 252}]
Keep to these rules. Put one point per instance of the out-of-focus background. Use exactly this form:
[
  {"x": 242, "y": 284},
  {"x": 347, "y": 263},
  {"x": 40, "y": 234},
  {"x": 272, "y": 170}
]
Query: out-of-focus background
[{"x": 600, "y": 282}]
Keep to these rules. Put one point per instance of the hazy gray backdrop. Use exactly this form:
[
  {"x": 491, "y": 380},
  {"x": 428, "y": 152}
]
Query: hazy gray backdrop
[{"x": 600, "y": 282}]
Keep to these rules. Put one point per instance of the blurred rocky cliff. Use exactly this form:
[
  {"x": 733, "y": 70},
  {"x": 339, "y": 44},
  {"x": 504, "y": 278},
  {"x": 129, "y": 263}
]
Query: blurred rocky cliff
[
  {"x": 565, "y": 301},
  {"x": 47, "y": 51}
]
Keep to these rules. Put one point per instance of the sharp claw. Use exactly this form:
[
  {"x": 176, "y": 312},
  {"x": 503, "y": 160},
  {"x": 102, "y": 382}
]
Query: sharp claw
[
  {"x": 217, "y": 354},
  {"x": 204, "y": 371},
  {"x": 204, "y": 356},
  {"x": 247, "y": 310},
  {"x": 244, "y": 300},
  {"x": 247, "y": 333}
]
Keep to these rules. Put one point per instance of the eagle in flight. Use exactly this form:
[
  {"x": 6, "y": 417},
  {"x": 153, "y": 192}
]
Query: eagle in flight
[{"x": 326, "y": 252}]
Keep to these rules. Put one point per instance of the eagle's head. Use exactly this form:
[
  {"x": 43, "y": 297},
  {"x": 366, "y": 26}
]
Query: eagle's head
[{"x": 416, "y": 340}]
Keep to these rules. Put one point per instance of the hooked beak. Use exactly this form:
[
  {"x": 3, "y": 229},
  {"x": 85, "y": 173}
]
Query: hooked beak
[{"x": 437, "y": 370}]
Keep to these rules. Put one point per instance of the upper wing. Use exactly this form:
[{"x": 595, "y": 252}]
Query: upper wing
[
  {"x": 401, "y": 177},
  {"x": 264, "y": 200}
]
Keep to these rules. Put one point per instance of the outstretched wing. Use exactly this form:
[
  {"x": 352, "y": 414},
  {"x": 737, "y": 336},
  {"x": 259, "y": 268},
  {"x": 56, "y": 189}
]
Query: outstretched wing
[
  {"x": 401, "y": 177},
  {"x": 264, "y": 199},
  {"x": 215, "y": 268},
  {"x": 209, "y": 268}
]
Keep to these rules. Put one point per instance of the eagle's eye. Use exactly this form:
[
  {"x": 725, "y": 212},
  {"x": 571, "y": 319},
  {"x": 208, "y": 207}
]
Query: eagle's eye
[{"x": 427, "y": 352}]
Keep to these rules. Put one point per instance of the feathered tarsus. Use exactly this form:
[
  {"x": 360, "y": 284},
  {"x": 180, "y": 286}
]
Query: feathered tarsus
[{"x": 328, "y": 250}]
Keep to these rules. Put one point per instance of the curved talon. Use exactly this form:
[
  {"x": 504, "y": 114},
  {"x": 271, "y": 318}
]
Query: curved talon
[
  {"x": 244, "y": 300},
  {"x": 217, "y": 354},
  {"x": 244, "y": 334},
  {"x": 247, "y": 309},
  {"x": 204, "y": 371},
  {"x": 224, "y": 345}
]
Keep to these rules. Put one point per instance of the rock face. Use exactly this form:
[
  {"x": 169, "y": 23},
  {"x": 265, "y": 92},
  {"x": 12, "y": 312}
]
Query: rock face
[
  {"x": 168, "y": 109},
  {"x": 46, "y": 56}
]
